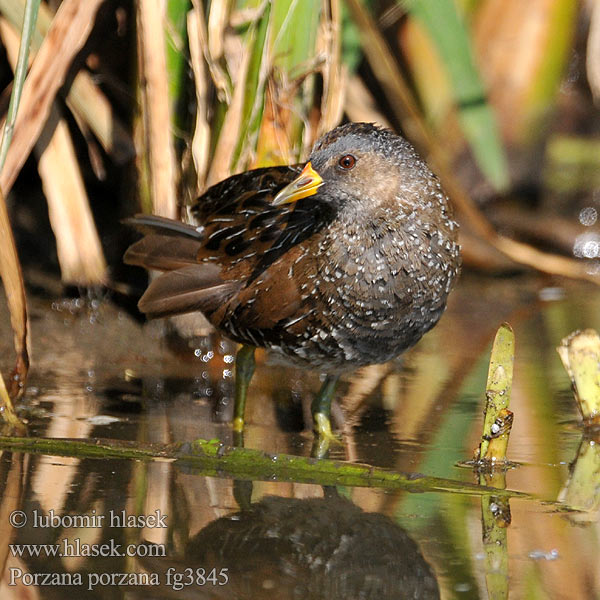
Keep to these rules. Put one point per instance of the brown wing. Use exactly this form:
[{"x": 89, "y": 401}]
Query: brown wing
[{"x": 228, "y": 257}]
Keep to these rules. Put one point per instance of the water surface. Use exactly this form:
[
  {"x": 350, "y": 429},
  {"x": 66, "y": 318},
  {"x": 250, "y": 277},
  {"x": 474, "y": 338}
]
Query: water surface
[{"x": 98, "y": 373}]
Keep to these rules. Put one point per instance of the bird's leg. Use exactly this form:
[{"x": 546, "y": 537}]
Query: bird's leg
[
  {"x": 244, "y": 369},
  {"x": 321, "y": 408}
]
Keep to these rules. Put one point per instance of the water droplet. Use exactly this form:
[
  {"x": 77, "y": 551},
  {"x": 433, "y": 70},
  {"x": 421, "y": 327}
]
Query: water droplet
[
  {"x": 591, "y": 249},
  {"x": 593, "y": 269},
  {"x": 588, "y": 216},
  {"x": 587, "y": 245},
  {"x": 549, "y": 294},
  {"x": 541, "y": 555}
]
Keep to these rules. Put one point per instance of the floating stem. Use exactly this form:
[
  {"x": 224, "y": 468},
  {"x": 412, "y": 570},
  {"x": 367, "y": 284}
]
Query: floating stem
[{"x": 214, "y": 459}]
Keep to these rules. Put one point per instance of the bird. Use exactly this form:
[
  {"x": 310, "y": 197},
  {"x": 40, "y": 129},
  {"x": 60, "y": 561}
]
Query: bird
[{"x": 344, "y": 261}]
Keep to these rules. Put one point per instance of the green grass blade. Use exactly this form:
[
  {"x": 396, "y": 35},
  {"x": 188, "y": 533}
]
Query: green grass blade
[
  {"x": 14, "y": 11},
  {"x": 29, "y": 20},
  {"x": 451, "y": 37},
  {"x": 557, "y": 52},
  {"x": 295, "y": 24},
  {"x": 176, "y": 56},
  {"x": 255, "y": 40}
]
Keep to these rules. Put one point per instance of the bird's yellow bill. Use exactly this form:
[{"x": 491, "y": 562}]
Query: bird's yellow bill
[{"x": 306, "y": 184}]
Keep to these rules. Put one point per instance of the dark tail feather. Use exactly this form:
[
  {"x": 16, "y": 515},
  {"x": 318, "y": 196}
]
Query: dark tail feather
[
  {"x": 163, "y": 252},
  {"x": 151, "y": 223},
  {"x": 186, "y": 285},
  {"x": 190, "y": 289},
  {"x": 168, "y": 244}
]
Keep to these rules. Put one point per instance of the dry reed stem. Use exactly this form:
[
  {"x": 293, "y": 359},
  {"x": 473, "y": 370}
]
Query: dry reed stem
[
  {"x": 329, "y": 43},
  {"x": 8, "y": 411},
  {"x": 218, "y": 76},
  {"x": 85, "y": 99},
  {"x": 10, "y": 500},
  {"x": 201, "y": 139},
  {"x": 87, "y": 102},
  {"x": 221, "y": 163},
  {"x": 77, "y": 241},
  {"x": 153, "y": 75},
  {"x": 593, "y": 51},
  {"x": 67, "y": 34},
  {"x": 218, "y": 17},
  {"x": 78, "y": 245},
  {"x": 52, "y": 483},
  {"x": 12, "y": 278}
]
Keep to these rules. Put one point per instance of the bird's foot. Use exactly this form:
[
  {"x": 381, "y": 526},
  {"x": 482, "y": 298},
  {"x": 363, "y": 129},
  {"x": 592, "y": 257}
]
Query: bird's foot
[
  {"x": 324, "y": 437},
  {"x": 323, "y": 429}
]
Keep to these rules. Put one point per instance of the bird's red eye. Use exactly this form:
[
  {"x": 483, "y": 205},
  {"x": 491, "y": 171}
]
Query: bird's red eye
[{"x": 347, "y": 162}]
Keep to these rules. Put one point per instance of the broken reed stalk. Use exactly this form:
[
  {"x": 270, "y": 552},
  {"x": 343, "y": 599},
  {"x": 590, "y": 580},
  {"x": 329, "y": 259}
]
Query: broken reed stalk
[
  {"x": 498, "y": 419},
  {"x": 580, "y": 355}
]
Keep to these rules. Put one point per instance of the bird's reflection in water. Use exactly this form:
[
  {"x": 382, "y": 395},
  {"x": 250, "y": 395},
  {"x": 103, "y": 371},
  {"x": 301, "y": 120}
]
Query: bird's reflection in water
[{"x": 294, "y": 549}]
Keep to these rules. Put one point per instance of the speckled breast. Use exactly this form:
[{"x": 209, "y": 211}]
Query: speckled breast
[{"x": 366, "y": 299}]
